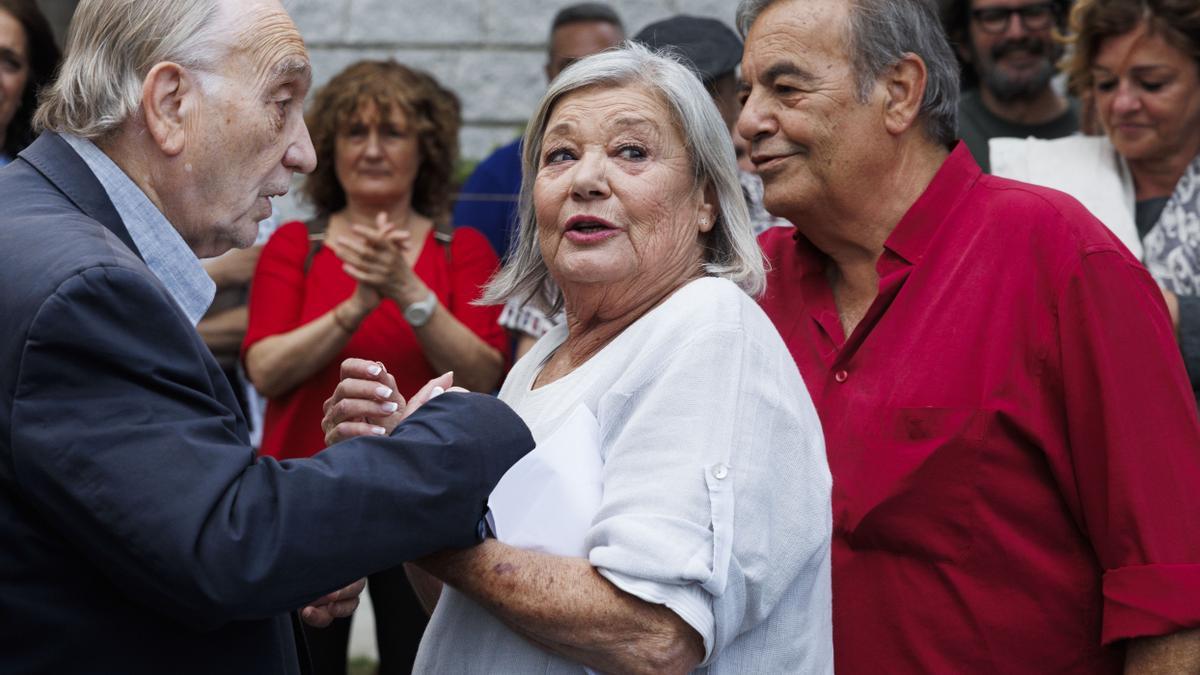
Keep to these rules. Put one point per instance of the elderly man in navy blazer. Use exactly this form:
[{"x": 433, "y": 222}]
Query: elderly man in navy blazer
[{"x": 138, "y": 531}]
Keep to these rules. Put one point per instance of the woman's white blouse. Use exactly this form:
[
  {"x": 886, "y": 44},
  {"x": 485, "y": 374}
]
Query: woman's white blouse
[{"x": 715, "y": 490}]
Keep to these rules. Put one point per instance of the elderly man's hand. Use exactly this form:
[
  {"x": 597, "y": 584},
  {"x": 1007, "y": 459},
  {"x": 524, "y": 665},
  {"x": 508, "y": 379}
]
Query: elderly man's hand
[
  {"x": 366, "y": 402},
  {"x": 336, "y": 605}
]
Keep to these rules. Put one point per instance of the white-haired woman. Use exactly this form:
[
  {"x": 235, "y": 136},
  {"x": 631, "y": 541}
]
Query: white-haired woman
[{"x": 708, "y": 547}]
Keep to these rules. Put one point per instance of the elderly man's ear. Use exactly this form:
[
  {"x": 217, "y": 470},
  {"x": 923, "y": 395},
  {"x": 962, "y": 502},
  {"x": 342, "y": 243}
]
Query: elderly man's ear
[
  {"x": 169, "y": 96},
  {"x": 904, "y": 85}
]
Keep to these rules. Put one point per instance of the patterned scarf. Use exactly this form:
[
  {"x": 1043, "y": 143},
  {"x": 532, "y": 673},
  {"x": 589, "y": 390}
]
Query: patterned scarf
[{"x": 1173, "y": 246}]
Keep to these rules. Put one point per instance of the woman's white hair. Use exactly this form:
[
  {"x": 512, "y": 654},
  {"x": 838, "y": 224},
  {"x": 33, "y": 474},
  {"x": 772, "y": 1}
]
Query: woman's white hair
[
  {"x": 111, "y": 47},
  {"x": 730, "y": 248}
]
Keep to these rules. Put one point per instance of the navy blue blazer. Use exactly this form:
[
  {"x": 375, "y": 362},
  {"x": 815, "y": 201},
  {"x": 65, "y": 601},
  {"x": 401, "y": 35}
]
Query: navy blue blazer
[{"x": 139, "y": 533}]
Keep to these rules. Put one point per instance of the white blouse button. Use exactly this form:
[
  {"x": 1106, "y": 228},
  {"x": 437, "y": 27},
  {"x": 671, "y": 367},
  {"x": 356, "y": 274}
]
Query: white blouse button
[{"x": 720, "y": 471}]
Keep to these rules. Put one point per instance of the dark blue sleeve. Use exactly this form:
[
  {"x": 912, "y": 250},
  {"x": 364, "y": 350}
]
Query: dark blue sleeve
[{"x": 120, "y": 444}]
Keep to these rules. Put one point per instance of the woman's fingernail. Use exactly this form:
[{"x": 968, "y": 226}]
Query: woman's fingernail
[
  {"x": 436, "y": 392},
  {"x": 390, "y": 407},
  {"x": 379, "y": 431},
  {"x": 374, "y": 370},
  {"x": 383, "y": 392}
]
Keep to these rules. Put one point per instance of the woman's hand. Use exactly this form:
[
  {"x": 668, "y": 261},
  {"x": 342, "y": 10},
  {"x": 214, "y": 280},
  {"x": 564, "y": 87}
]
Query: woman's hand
[
  {"x": 374, "y": 257},
  {"x": 366, "y": 402},
  {"x": 365, "y": 299}
]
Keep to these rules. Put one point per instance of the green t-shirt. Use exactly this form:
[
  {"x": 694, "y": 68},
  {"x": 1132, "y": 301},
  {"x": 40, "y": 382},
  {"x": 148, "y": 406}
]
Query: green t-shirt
[{"x": 976, "y": 124}]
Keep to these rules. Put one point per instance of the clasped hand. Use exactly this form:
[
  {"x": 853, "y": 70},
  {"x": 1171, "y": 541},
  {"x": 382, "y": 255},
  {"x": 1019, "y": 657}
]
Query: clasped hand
[
  {"x": 337, "y": 605},
  {"x": 374, "y": 257},
  {"x": 367, "y": 403}
]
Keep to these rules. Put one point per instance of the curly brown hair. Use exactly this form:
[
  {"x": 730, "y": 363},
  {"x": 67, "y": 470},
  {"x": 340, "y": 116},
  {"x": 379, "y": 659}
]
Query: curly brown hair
[
  {"x": 1094, "y": 21},
  {"x": 433, "y": 110}
]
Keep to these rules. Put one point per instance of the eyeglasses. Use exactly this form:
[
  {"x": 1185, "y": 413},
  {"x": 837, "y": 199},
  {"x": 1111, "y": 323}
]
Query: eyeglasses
[{"x": 994, "y": 20}]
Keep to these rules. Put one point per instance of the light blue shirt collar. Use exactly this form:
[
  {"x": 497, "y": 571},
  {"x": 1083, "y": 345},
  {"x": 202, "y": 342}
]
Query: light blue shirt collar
[{"x": 164, "y": 250}]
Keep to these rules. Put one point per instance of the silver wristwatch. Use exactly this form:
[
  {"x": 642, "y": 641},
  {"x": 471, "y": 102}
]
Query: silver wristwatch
[{"x": 417, "y": 314}]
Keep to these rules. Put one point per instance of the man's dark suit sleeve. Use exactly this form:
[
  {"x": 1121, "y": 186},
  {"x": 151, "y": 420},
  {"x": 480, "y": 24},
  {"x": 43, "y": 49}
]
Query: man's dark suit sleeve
[{"x": 122, "y": 445}]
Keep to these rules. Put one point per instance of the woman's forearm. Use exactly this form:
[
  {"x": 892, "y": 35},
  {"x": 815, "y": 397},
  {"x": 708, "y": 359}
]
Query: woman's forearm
[
  {"x": 278, "y": 364},
  {"x": 450, "y": 345},
  {"x": 565, "y": 606}
]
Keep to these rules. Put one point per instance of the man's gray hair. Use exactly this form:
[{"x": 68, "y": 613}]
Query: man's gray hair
[
  {"x": 880, "y": 33},
  {"x": 730, "y": 249},
  {"x": 111, "y": 47}
]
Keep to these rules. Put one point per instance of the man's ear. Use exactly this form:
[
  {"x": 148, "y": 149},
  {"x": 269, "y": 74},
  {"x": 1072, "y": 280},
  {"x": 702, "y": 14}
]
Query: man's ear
[
  {"x": 166, "y": 101},
  {"x": 904, "y": 85}
]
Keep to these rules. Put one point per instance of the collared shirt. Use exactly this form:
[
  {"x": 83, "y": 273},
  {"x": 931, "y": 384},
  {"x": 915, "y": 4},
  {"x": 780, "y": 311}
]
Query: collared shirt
[
  {"x": 1014, "y": 447},
  {"x": 162, "y": 248}
]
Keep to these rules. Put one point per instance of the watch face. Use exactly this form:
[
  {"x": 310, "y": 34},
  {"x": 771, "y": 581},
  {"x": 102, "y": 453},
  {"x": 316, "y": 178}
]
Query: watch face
[{"x": 418, "y": 313}]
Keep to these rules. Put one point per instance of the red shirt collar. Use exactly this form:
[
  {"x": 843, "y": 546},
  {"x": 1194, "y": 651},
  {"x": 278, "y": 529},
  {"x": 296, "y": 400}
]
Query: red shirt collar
[
  {"x": 917, "y": 228},
  {"x": 920, "y": 224}
]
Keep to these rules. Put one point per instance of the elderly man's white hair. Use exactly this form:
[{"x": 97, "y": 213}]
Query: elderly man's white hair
[
  {"x": 111, "y": 47},
  {"x": 731, "y": 251}
]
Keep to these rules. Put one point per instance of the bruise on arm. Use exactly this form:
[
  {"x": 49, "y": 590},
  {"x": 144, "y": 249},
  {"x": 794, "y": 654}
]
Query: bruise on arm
[{"x": 566, "y": 607}]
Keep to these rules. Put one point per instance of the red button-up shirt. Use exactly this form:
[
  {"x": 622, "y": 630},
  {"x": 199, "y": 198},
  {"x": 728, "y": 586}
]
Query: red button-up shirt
[{"x": 1013, "y": 440}]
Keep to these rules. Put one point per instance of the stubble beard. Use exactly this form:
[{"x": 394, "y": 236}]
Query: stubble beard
[{"x": 1024, "y": 87}]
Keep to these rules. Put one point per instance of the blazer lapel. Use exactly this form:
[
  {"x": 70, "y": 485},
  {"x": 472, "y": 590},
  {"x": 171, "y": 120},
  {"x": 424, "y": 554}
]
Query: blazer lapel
[{"x": 55, "y": 159}]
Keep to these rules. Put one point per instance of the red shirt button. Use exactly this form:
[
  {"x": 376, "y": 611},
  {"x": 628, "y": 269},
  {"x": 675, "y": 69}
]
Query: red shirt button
[{"x": 841, "y": 376}]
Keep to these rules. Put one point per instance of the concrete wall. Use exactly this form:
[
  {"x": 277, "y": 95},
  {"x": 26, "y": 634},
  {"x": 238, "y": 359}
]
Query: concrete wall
[
  {"x": 490, "y": 52},
  {"x": 58, "y": 13}
]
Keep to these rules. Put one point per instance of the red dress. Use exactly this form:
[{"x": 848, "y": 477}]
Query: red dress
[{"x": 283, "y": 298}]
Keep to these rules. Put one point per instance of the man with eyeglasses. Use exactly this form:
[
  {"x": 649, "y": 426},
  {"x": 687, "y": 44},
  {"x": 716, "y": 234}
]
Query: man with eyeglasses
[{"x": 1009, "y": 54}]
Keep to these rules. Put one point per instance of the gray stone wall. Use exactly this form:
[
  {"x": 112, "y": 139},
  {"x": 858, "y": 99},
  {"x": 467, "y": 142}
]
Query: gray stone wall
[{"x": 490, "y": 52}]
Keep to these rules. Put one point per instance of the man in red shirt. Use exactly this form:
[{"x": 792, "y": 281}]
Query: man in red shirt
[{"x": 1013, "y": 440}]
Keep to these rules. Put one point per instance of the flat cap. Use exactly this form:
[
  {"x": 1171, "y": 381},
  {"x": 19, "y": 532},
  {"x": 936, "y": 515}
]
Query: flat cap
[{"x": 710, "y": 47}]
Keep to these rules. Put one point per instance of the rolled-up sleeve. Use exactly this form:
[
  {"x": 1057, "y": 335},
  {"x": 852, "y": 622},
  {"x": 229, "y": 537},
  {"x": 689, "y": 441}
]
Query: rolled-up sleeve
[
  {"x": 700, "y": 513},
  {"x": 1134, "y": 440}
]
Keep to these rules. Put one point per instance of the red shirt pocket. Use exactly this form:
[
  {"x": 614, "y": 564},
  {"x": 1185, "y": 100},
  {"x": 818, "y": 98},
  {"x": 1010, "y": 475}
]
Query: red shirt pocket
[{"x": 915, "y": 488}]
